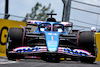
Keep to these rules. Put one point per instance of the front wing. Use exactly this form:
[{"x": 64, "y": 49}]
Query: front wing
[{"x": 42, "y": 50}]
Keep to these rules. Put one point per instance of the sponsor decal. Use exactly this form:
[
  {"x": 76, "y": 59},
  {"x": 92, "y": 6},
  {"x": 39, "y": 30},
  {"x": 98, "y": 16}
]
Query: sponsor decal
[
  {"x": 26, "y": 49},
  {"x": 52, "y": 43},
  {"x": 52, "y": 34},
  {"x": 76, "y": 52},
  {"x": 3, "y": 35},
  {"x": 36, "y": 22}
]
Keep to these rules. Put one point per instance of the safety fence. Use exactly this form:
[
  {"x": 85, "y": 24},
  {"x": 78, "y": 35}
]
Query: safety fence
[
  {"x": 84, "y": 15},
  {"x": 12, "y": 17}
]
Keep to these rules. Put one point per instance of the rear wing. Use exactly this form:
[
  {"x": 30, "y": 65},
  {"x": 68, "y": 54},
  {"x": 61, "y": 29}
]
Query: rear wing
[
  {"x": 34, "y": 22},
  {"x": 37, "y": 22}
]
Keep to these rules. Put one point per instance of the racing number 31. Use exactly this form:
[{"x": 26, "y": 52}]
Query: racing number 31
[{"x": 3, "y": 35}]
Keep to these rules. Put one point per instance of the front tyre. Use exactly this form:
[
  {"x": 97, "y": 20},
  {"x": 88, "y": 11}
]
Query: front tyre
[
  {"x": 14, "y": 40},
  {"x": 86, "y": 42},
  {"x": 87, "y": 59}
]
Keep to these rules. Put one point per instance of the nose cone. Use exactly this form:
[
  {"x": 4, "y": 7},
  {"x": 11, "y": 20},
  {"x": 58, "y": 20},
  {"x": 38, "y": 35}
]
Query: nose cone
[
  {"x": 52, "y": 45},
  {"x": 52, "y": 41}
]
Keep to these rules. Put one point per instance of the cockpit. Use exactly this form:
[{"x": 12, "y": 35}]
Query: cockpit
[{"x": 51, "y": 27}]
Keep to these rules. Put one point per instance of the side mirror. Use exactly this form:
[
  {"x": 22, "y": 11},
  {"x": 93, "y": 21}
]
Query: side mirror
[
  {"x": 42, "y": 29},
  {"x": 60, "y": 30}
]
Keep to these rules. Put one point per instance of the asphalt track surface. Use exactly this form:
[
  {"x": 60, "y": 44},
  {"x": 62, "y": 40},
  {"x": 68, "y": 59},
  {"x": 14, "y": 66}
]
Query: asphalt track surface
[{"x": 40, "y": 63}]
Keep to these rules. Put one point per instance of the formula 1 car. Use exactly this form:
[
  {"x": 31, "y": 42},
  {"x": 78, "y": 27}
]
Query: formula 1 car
[{"x": 51, "y": 41}]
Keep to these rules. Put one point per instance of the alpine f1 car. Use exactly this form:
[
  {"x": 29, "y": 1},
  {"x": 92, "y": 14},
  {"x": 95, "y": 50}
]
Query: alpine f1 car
[{"x": 51, "y": 41}]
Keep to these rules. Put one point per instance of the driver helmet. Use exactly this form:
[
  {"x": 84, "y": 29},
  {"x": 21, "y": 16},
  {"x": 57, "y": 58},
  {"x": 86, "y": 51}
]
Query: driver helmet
[
  {"x": 49, "y": 28},
  {"x": 93, "y": 29}
]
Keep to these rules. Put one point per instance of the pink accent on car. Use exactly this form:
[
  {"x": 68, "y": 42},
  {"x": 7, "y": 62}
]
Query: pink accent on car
[
  {"x": 52, "y": 38},
  {"x": 32, "y": 21},
  {"x": 78, "y": 38},
  {"x": 65, "y": 23},
  {"x": 20, "y": 48},
  {"x": 60, "y": 50},
  {"x": 44, "y": 47},
  {"x": 23, "y": 34},
  {"x": 84, "y": 51}
]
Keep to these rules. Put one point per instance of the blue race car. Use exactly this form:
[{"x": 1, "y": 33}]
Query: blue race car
[{"x": 51, "y": 41}]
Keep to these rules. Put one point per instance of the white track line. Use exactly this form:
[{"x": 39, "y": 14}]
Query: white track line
[
  {"x": 5, "y": 61},
  {"x": 9, "y": 62}
]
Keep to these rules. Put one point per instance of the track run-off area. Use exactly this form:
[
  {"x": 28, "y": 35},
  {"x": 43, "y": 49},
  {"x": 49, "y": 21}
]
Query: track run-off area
[{"x": 4, "y": 62}]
